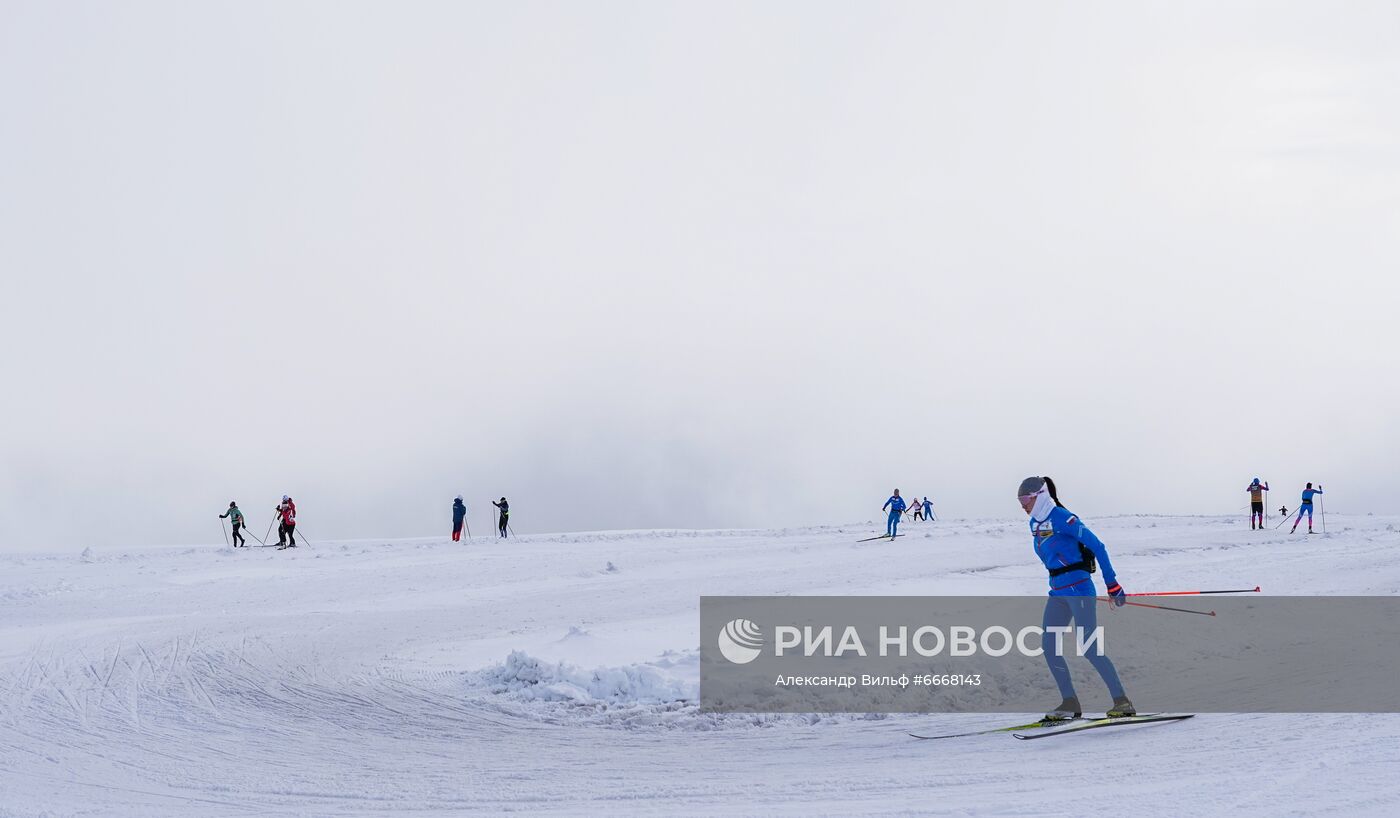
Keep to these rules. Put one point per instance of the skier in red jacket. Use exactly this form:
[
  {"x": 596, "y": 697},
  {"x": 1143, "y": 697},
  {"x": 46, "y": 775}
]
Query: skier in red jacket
[{"x": 287, "y": 525}]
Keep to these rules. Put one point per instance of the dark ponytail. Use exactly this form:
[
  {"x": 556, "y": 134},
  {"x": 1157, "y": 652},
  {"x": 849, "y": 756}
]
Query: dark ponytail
[{"x": 1054, "y": 495}]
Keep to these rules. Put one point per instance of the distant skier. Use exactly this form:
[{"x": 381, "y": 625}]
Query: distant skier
[
  {"x": 287, "y": 523},
  {"x": 504, "y": 524},
  {"x": 1069, "y": 551},
  {"x": 896, "y": 506},
  {"x": 928, "y": 509},
  {"x": 1256, "y": 502},
  {"x": 459, "y": 515},
  {"x": 918, "y": 509},
  {"x": 235, "y": 517},
  {"x": 1306, "y": 507}
]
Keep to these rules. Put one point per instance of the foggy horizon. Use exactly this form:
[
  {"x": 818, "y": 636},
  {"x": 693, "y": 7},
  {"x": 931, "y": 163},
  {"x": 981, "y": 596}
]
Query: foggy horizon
[{"x": 689, "y": 266}]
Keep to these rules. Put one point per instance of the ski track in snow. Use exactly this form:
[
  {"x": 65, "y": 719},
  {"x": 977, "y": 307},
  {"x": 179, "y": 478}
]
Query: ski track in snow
[{"x": 557, "y": 674}]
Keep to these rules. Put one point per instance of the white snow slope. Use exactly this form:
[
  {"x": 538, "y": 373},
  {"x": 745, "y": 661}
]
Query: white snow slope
[{"x": 558, "y": 674}]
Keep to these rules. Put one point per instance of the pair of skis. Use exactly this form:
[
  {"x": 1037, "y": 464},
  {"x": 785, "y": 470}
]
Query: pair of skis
[
  {"x": 1045, "y": 729},
  {"x": 881, "y": 537}
]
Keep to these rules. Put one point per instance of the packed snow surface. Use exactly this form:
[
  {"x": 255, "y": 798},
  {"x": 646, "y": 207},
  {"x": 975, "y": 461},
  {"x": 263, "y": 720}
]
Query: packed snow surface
[{"x": 560, "y": 674}]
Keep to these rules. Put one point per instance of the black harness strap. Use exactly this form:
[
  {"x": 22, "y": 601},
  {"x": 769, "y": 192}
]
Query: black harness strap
[{"x": 1087, "y": 562}]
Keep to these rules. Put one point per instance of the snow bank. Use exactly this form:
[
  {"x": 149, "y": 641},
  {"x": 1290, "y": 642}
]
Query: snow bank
[
  {"x": 525, "y": 677},
  {"x": 663, "y": 694},
  {"x": 8, "y": 594}
]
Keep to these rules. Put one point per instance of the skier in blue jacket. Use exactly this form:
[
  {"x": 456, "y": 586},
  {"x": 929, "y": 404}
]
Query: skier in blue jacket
[
  {"x": 459, "y": 516},
  {"x": 1306, "y": 507},
  {"x": 1069, "y": 552},
  {"x": 896, "y": 506}
]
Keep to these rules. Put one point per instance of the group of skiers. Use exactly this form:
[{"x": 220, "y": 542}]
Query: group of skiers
[
  {"x": 895, "y": 505},
  {"x": 459, "y": 518},
  {"x": 923, "y": 510},
  {"x": 1257, "y": 497},
  {"x": 286, "y": 523}
]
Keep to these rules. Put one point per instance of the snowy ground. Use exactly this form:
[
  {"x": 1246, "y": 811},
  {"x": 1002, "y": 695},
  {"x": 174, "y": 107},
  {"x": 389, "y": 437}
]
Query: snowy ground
[{"x": 424, "y": 676}]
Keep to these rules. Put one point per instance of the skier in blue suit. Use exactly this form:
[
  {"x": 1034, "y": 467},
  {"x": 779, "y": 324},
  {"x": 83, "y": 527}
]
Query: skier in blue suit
[
  {"x": 896, "y": 506},
  {"x": 1306, "y": 507},
  {"x": 1070, "y": 552}
]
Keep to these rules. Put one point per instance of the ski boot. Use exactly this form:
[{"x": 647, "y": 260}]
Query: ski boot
[
  {"x": 1121, "y": 707},
  {"x": 1068, "y": 709}
]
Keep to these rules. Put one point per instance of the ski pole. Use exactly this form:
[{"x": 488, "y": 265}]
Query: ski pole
[
  {"x": 268, "y": 533},
  {"x": 1253, "y": 590},
  {"x": 469, "y": 529},
  {"x": 225, "y": 530},
  {"x": 1159, "y": 607},
  {"x": 303, "y": 536},
  {"x": 1322, "y": 506},
  {"x": 250, "y": 531},
  {"x": 510, "y": 528}
]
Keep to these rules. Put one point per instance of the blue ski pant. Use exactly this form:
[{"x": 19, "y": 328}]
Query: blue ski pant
[
  {"x": 892, "y": 524},
  {"x": 1305, "y": 508},
  {"x": 1060, "y": 611}
]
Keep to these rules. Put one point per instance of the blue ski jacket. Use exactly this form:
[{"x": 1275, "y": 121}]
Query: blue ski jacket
[
  {"x": 1308, "y": 495},
  {"x": 894, "y": 504},
  {"x": 459, "y": 512},
  {"x": 1057, "y": 540}
]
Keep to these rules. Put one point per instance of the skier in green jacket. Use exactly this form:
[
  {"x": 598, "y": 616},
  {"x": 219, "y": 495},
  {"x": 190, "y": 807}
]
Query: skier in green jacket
[{"x": 236, "y": 517}]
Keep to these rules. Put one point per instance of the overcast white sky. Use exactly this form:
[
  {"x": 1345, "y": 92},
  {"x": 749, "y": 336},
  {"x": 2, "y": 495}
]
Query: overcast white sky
[{"x": 689, "y": 264}]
